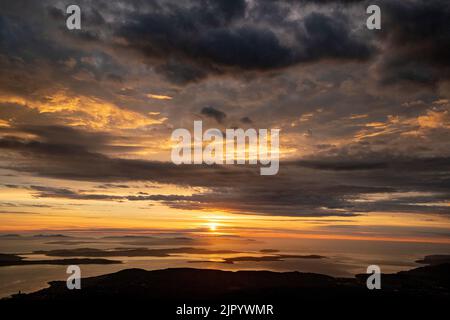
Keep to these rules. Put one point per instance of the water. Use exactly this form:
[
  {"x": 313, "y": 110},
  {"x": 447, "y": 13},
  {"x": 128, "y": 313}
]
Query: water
[{"x": 344, "y": 258}]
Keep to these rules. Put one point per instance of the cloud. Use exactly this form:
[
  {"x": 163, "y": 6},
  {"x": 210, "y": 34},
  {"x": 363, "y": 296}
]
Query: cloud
[
  {"x": 85, "y": 111},
  {"x": 76, "y": 109},
  {"x": 333, "y": 187},
  {"x": 159, "y": 96},
  {"x": 246, "y": 120},
  {"x": 50, "y": 192},
  {"x": 218, "y": 115},
  {"x": 418, "y": 38},
  {"x": 212, "y": 38}
]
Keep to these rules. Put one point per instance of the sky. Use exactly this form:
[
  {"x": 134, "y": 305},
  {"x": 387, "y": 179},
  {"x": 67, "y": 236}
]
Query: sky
[{"x": 86, "y": 117}]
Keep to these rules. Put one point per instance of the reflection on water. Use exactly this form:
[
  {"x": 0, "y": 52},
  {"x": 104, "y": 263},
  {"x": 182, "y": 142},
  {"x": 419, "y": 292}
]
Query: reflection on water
[{"x": 344, "y": 258}]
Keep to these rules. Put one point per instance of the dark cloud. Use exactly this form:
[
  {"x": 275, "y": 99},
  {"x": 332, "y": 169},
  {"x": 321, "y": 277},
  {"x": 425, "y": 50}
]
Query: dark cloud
[
  {"x": 181, "y": 73},
  {"x": 330, "y": 187},
  {"x": 417, "y": 36},
  {"x": 188, "y": 40},
  {"x": 330, "y": 37},
  {"x": 16, "y": 212},
  {"x": 209, "y": 38},
  {"x": 15, "y": 205},
  {"x": 342, "y": 165},
  {"x": 58, "y": 138},
  {"x": 252, "y": 48},
  {"x": 56, "y": 13},
  {"x": 218, "y": 115},
  {"x": 112, "y": 185},
  {"x": 403, "y": 164},
  {"x": 50, "y": 192},
  {"x": 246, "y": 120}
]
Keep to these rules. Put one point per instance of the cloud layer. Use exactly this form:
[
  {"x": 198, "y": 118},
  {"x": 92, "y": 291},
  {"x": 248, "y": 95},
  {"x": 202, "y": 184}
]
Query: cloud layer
[{"x": 364, "y": 115}]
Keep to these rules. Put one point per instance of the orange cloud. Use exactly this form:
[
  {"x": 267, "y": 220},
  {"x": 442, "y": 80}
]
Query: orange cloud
[
  {"x": 434, "y": 119},
  {"x": 159, "y": 97},
  {"x": 86, "y": 111}
]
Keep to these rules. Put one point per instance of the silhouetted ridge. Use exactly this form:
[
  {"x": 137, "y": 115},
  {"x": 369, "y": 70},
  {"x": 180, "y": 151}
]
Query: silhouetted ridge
[{"x": 160, "y": 292}]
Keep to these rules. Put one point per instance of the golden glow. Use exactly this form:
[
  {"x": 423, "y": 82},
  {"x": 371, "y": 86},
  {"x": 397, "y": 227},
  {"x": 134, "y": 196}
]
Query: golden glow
[
  {"x": 434, "y": 119},
  {"x": 86, "y": 111},
  {"x": 212, "y": 226},
  {"x": 358, "y": 116},
  {"x": 30, "y": 212},
  {"x": 158, "y": 97},
  {"x": 57, "y": 214}
]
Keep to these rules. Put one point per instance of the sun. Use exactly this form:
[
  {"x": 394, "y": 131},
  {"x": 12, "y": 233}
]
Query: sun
[{"x": 212, "y": 226}]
